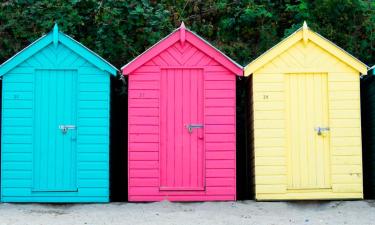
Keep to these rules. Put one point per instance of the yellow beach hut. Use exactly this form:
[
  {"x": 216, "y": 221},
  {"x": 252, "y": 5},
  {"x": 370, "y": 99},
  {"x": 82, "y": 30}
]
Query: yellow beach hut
[{"x": 305, "y": 109}]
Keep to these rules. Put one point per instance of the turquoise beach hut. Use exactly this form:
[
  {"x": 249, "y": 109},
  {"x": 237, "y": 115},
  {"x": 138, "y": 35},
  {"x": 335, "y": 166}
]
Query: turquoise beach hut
[{"x": 55, "y": 123}]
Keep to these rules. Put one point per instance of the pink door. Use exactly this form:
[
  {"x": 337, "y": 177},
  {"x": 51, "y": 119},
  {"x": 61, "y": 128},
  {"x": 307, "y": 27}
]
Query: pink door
[{"x": 181, "y": 128}]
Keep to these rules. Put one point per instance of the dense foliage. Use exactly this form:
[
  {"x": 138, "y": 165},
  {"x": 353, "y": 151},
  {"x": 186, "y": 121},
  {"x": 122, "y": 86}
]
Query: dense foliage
[{"x": 119, "y": 30}]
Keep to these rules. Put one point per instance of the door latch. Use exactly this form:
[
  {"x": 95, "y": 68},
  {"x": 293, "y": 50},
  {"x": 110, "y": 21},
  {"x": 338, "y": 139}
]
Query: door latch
[
  {"x": 190, "y": 127},
  {"x": 321, "y": 130},
  {"x": 64, "y": 128}
]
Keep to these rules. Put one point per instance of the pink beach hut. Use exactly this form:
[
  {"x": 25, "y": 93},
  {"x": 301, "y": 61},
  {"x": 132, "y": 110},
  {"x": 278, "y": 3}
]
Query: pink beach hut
[{"x": 182, "y": 121}]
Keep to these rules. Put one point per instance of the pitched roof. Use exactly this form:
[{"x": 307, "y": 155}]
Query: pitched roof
[
  {"x": 183, "y": 34},
  {"x": 306, "y": 34},
  {"x": 56, "y": 37}
]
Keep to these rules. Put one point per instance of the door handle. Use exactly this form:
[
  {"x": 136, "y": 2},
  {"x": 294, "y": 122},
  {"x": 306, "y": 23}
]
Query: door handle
[
  {"x": 321, "y": 130},
  {"x": 64, "y": 128},
  {"x": 190, "y": 127}
]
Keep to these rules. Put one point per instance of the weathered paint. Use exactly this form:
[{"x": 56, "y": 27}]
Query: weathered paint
[
  {"x": 303, "y": 83},
  {"x": 55, "y": 81},
  {"x": 179, "y": 81}
]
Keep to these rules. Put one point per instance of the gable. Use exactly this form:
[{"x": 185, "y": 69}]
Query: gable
[
  {"x": 54, "y": 39},
  {"x": 305, "y": 35},
  {"x": 176, "y": 49},
  {"x": 54, "y": 58},
  {"x": 182, "y": 55},
  {"x": 302, "y": 57}
]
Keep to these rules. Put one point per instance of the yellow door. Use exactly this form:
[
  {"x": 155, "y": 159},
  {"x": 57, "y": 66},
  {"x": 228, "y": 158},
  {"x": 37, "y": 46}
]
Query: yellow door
[{"x": 307, "y": 131}]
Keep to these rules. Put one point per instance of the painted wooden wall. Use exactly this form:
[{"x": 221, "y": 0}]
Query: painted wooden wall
[
  {"x": 219, "y": 131},
  {"x": 19, "y": 118},
  {"x": 270, "y": 100}
]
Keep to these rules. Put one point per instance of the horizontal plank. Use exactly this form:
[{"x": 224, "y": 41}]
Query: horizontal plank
[
  {"x": 18, "y": 104},
  {"x": 92, "y": 122},
  {"x": 221, "y": 163},
  {"x": 213, "y": 155},
  {"x": 217, "y": 138},
  {"x": 219, "y": 129},
  {"x": 220, "y": 102},
  {"x": 143, "y": 94},
  {"x": 143, "y": 111},
  {"x": 143, "y": 147},
  {"x": 220, "y": 172},
  {"x": 17, "y": 113},
  {"x": 220, "y": 85},
  {"x": 268, "y": 105},
  {"x": 146, "y": 103},
  {"x": 17, "y": 87},
  {"x": 143, "y": 138},
  {"x": 347, "y": 160},
  {"x": 143, "y": 129},
  {"x": 85, "y": 104},
  {"x": 143, "y": 182},
  {"x": 93, "y": 96},
  {"x": 26, "y": 130},
  {"x": 220, "y": 146},
  {"x": 220, "y": 93},
  {"x": 220, "y": 120},
  {"x": 269, "y": 151},
  {"x": 141, "y": 173},
  {"x": 270, "y": 170},
  {"x": 264, "y": 123},
  {"x": 220, "y": 111},
  {"x": 93, "y": 113},
  {"x": 143, "y": 164},
  {"x": 143, "y": 85},
  {"x": 143, "y": 120},
  {"x": 144, "y": 156},
  {"x": 17, "y": 95}
]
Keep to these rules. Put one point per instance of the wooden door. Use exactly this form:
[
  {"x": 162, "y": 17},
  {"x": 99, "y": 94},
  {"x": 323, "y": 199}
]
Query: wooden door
[
  {"x": 181, "y": 121},
  {"x": 54, "y": 167},
  {"x": 307, "y": 131}
]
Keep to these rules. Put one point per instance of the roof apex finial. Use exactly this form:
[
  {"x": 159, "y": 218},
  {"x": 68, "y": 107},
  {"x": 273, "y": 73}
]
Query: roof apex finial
[
  {"x": 182, "y": 26},
  {"x": 182, "y": 33},
  {"x": 304, "y": 25},
  {"x": 55, "y": 34},
  {"x": 305, "y": 32}
]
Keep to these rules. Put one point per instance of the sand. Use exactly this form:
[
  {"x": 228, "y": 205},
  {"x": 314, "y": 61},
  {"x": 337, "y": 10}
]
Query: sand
[{"x": 217, "y": 213}]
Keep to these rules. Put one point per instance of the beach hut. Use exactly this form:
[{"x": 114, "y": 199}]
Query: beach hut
[
  {"x": 55, "y": 123},
  {"x": 182, "y": 113},
  {"x": 306, "y": 120},
  {"x": 368, "y": 132}
]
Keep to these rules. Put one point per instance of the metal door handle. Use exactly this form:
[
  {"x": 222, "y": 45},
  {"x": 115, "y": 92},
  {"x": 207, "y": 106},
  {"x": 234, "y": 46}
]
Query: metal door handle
[
  {"x": 64, "y": 128},
  {"x": 321, "y": 130},
  {"x": 190, "y": 127}
]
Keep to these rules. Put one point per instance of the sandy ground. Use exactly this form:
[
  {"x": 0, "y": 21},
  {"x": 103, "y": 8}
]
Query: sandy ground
[{"x": 217, "y": 213}]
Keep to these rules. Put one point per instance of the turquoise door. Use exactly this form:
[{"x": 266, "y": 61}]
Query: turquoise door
[{"x": 54, "y": 162}]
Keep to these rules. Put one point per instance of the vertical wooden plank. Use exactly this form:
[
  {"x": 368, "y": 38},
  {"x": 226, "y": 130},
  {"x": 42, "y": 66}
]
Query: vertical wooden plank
[
  {"x": 178, "y": 128},
  {"x": 163, "y": 127},
  {"x": 186, "y": 136},
  {"x": 193, "y": 135},
  {"x": 200, "y": 131},
  {"x": 170, "y": 129}
]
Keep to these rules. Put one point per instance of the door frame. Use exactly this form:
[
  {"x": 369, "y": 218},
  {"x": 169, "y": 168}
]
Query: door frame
[
  {"x": 287, "y": 141},
  {"x": 52, "y": 192},
  {"x": 195, "y": 190}
]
